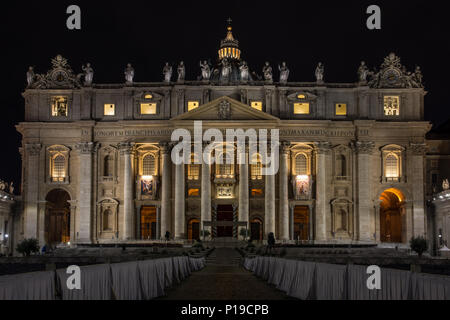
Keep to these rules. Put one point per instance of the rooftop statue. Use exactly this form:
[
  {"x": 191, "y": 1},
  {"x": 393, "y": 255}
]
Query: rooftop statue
[
  {"x": 418, "y": 77},
  {"x": 129, "y": 74},
  {"x": 363, "y": 72},
  {"x": 284, "y": 72},
  {"x": 30, "y": 76},
  {"x": 445, "y": 185},
  {"x": 11, "y": 188},
  {"x": 88, "y": 74},
  {"x": 267, "y": 71},
  {"x": 167, "y": 72},
  {"x": 226, "y": 69},
  {"x": 320, "y": 70},
  {"x": 206, "y": 70},
  {"x": 181, "y": 71},
  {"x": 244, "y": 72}
]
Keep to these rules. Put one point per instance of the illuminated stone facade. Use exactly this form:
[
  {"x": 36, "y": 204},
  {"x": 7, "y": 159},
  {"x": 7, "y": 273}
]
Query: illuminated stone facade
[{"x": 341, "y": 147}]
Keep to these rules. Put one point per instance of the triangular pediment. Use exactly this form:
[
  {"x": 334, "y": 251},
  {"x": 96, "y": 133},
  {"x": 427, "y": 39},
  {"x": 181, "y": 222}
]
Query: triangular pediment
[{"x": 225, "y": 109}]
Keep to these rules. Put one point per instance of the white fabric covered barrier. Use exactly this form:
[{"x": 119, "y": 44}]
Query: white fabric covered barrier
[
  {"x": 430, "y": 287},
  {"x": 126, "y": 282},
  {"x": 28, "y": 286},
  {"x": 96, "y": 283},
  {"x": 197, "y": 263},
  {"x": 303, "y": 281},
  {"x": 331, "y": 281},
  {"x": 148, "y": 273},
  {"x": 395, "y": 284},
  {"x": 276, "y": 275},
  {"x": 168, "y": 272},
  {"x": 290, "y": 267}
]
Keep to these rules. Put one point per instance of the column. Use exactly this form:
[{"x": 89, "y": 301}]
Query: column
[
  {"x": 31, "y": 190},
  {"x": 243, "y": 209},
  {"x": 322, "y": 153},
  {"x": 179, "y": 202},
  {"x": 377, "y": 204},
  {"x": 166, "y": 190},
  {"x": 284, "y": 192},
  {"x": 417, "y": 165},
  {"x": 205, "y": 212},
  {"x": 291, "y": 221},
  {"x": 270, "y": 205},
  {"x": 85, "y": 208},
  {"x": 364, "y": 203},
  {"x": 311, "y": 222},
  {"x": 126, "y": 151}
]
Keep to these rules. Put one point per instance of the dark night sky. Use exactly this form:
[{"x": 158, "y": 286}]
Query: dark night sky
[{"x": 149, "y": 33}]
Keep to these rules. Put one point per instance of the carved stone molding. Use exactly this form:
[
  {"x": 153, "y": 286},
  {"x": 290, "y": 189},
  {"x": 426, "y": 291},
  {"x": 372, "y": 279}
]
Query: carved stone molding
[
  {"x": 224, "y": 111},
  {"x": 33, "y": 149},
  {"x": 165, "y": 147},
  {"x": 322, "y": 147},
  {"x": 418, "y": 149},
  {"x": 285, "y": 147},
  {"x": 126, "y": 148},
  {"x": 364, "y": 147},
  {"x": 87, "y": 147}
]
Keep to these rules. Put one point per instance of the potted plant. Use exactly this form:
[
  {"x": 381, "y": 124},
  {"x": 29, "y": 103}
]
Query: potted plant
[
  {"x": 28, "y": 246},
  {"x": 419, "y": 245},
  {"x": 205, "y": 233}
]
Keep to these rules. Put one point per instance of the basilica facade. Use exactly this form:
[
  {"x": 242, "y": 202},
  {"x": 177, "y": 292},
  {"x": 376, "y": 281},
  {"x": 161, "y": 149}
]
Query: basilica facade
[{"x": 97, "y": 164}]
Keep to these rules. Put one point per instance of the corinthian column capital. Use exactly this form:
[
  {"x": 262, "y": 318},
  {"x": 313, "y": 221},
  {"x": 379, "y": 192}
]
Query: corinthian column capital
[
  {"x": 418, "y": 149},
  {"x": 364, "y": 147},
  {"x": 33, "y": 149},
  {"x": 126, "y": 148},
  {"x": 322, "y": 147},
  {"x": 87, "y": 147}
]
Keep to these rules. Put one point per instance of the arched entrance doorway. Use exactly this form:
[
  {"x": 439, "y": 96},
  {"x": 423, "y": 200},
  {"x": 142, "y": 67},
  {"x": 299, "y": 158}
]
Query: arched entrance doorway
[
  {"x": 225, "y": 214},
  {"x": 194, "y": 229},
  {"x": 301, "y": 223},
  {"x": 57, "y": 217},
  {"x": 148, "y": 223},
  {"x": 256, "y": 231},
  {"x": 392, "y": 215}
]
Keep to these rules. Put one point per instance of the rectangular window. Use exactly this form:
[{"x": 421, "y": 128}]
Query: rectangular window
[
  {"x": 193, "y": 105},
  {"x": 301, "y": 108},
  {"x": 148, "y": 108},
  {"x": 194, "y": 192},
  {"x": 193, "y": 172},
  {"x": 391, "y": 105},
  {"x": 341, "y": 109},
  {"x": 109, "y": 109},
  {"x": 256, "y": 105},
  {"x": 59, "y": 106},
  {"x": 257, "y": 192}
]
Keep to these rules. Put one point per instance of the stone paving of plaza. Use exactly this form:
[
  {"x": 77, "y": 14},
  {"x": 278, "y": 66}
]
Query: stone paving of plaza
[{"x": 224, "y": 279}]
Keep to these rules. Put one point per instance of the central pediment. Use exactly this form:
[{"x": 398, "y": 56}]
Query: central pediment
[{"x": 225, "y": 109}]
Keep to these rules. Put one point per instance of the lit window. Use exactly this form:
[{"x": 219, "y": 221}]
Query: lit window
[
  {"x": 110, "y": 109},
  {"x": 194, "y": 192},
  {"x": 193, "y": 169},
  {"x": 192, "y": 105},
  {"x": 301, "y": 96},
  {"x": 256, "y": 168},
  {"x": 148, "y": 96},
  {"x": 148, "y": 165},
  {"x": 59, "y": 106},
  {"x": 256, "y": 105},
  {"x": 225, "y": 171},
  {"x": 148, "y": 108},
  {"x": 59, "y": 168},
  {"x": 392, "y": 167},
  {"x": 301, "y": 108},
  {"x": 391, "y": 105},
  {"x": 257, "y": 192},
  {"x": 341, "y": 109},
  {"x": 301, "y": 165}
]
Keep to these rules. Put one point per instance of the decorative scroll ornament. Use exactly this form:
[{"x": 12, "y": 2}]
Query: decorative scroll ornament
[
  {"x": 60, "y": 76},
  {"x": 393, "y": 74},
  {"x": 224, "y": 110}
]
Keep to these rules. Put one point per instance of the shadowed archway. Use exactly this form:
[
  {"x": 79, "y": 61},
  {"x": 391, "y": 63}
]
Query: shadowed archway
[
  {"x": 392, "y": 215},
  {"x": 57, "y": 217}
]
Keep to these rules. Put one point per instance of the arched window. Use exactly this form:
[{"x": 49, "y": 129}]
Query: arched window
[
  {"x": 341, "y": 166},
  {"x": 256, "y": 167},
  {"x": 193, "y": 169},
  {"x": 148, "y": 165},
  {"x": 225, "y": 169},
  {"x": 107, "y": 220},
  {"x": 108, "y": 166},
  {"x": 392, "y": 166},
  {"x": 301, "y": 165},
  {"x": 59, "y": 168}
]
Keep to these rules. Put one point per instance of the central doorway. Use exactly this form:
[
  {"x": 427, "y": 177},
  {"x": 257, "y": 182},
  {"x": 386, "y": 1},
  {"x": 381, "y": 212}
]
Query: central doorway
[
  {"x": 225, "y": 213},
  {"x": 391, "y": 216},
  {"x": 256, "y": 233},
  {"x": 301, "y": 223},
  {"x": 148, "y": 223},
  {"x": 57, "y": 217},
  {"x": 194, "y": 229}
]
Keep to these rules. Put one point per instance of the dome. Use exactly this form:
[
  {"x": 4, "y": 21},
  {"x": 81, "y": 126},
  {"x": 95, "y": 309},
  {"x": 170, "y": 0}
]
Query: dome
[{"x": 229, "y": 47}]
